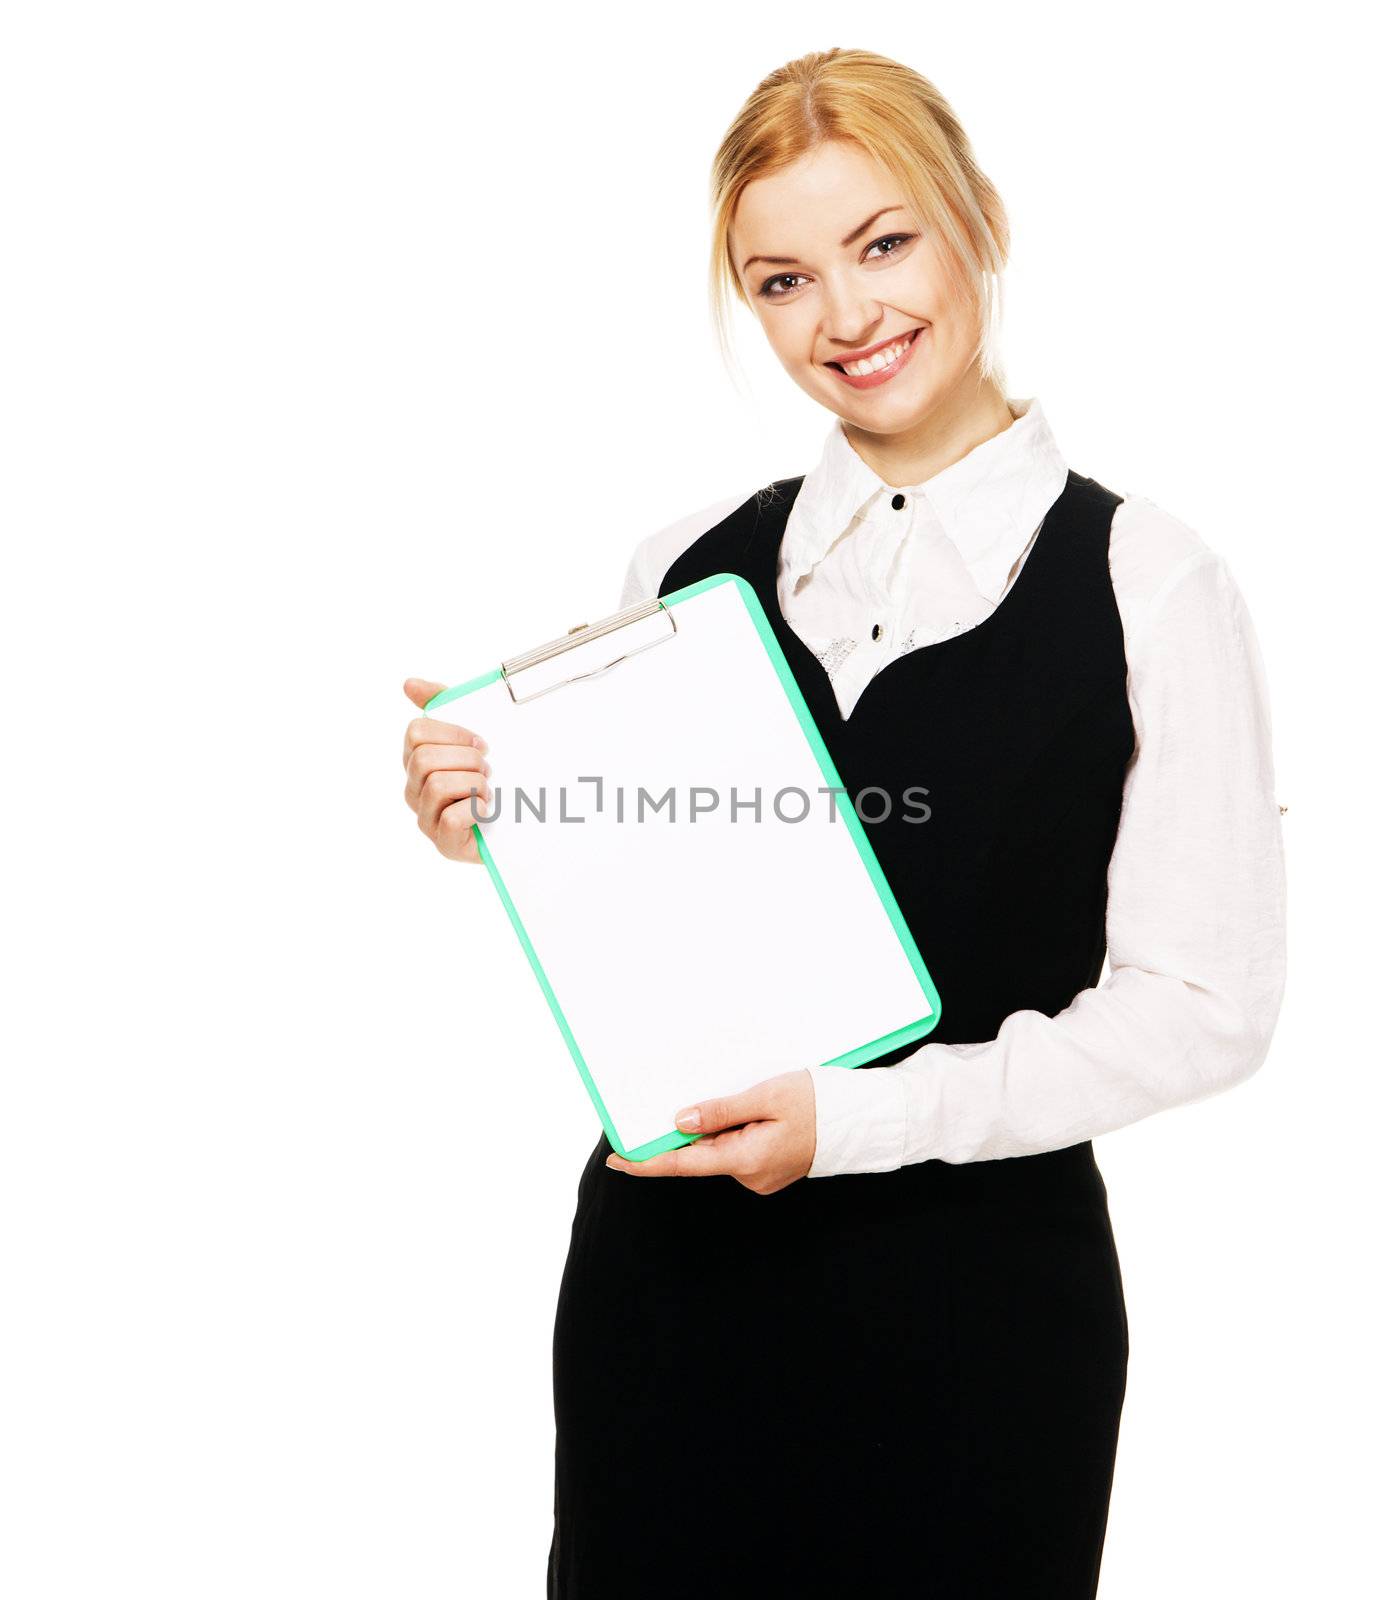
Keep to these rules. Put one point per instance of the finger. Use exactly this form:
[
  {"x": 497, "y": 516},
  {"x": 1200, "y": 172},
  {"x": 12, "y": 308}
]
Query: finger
[
  {"x": 455, "y": 838},
  {"x": 442, "y": 789},
  {"x": 419, "y": 690},
  {"x": 431, "y": 730},
  {"x": 428, "y": 758},
  {"x": 703, "y": 1159},
  {"x": 439, "y": 791},
  {"x": 728, "y": 1111}
]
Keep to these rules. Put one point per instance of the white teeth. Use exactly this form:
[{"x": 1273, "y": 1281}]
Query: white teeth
[{"x": 880, "y": 360}]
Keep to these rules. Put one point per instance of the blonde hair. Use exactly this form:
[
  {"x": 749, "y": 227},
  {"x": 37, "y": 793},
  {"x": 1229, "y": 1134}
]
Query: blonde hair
[{"x": 902, "y": 122}]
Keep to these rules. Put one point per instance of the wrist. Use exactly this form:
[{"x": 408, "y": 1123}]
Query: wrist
[{"x": 859, "y": 1120}]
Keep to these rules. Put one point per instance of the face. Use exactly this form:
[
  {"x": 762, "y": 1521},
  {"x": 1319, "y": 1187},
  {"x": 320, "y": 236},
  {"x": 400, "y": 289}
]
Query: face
[{"x": 841, "y": 267}]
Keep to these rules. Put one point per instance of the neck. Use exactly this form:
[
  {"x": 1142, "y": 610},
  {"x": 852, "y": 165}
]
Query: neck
[{"x": 968, "y": 416}]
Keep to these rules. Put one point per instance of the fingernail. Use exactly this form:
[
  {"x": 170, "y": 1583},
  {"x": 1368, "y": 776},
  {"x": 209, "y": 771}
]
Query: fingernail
[
  {"x": 480, "y": 743},
  {"x": 689, "y": 1120},
  {"x": 611, "y": 1163}
]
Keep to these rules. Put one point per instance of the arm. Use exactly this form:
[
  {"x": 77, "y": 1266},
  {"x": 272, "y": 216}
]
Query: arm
[{"x": 1196, "y": 925}]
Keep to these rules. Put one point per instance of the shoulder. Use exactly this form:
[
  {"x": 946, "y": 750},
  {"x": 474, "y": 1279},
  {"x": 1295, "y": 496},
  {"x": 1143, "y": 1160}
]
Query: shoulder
[
  {"x": 1177, "y": 596},
  {"x": 1150, "y": 548},
  {"x": 1161, "y": 564},
  {"x": 657, "y": 551}
]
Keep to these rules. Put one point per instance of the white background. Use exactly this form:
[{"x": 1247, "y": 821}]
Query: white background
[{"x": 343, "y": 343}]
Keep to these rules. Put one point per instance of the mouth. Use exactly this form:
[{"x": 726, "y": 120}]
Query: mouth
[{"x": 879, "y": 363}]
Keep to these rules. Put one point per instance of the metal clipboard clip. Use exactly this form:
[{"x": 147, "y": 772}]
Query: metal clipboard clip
[{"x": 583, "y": 634}]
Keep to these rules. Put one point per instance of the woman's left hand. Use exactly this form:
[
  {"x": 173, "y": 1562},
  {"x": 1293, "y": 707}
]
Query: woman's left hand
[{"x": 770, "y": 1134}]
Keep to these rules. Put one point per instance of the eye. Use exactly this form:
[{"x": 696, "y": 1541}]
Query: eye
[
  {"x": 896, "y": 241},
  {"x": 768, "y": 291}
]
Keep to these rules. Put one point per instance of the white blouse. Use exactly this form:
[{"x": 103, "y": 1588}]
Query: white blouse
[{"x": 1196, "y": 913}]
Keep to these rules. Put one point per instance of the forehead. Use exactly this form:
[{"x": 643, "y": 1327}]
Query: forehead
[{"x": 813, "y": 203}]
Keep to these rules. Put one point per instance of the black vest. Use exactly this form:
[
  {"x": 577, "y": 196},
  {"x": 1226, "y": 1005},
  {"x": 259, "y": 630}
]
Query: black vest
[{"x": 1020, "y": 732}]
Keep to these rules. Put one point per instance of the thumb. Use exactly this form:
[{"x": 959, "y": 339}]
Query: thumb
[
  {"x": 420, "y": 690},
  {"x": 728, "y": 1111}
]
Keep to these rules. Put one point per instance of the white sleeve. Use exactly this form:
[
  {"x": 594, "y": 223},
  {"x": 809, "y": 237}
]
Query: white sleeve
[
  {"x": 1196, "y": 928},
  {"x": 655, "y": 554}
]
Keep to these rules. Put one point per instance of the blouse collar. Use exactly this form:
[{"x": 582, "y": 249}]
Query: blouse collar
[{"x": 988, "y": 502}]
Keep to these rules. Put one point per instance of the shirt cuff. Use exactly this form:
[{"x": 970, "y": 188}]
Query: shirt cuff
[{"x": 862, "y": 1120}]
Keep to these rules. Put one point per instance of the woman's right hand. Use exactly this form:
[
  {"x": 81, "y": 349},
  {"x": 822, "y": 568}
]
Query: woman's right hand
[{"x": 445, "y": 771}]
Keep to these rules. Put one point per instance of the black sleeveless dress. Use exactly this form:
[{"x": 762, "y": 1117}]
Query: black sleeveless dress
[{"x": 906, "y": 1382}]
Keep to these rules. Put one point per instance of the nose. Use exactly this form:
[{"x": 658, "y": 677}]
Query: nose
[{"x": 852, "y": 318}]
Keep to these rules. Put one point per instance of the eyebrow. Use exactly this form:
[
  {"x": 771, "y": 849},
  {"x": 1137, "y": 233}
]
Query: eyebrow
[{"x": 851, "y": 238}]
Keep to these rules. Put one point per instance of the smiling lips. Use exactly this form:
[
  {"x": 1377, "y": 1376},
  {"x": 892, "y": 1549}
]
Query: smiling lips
[{"x": 879, "y": 364}]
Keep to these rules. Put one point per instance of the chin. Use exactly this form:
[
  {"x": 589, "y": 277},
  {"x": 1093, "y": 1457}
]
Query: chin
[{"x": 890, "y": 414}]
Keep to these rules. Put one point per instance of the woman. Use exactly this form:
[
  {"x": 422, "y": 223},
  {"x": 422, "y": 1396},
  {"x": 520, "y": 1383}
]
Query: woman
[{"x": 909, "y": 1379}]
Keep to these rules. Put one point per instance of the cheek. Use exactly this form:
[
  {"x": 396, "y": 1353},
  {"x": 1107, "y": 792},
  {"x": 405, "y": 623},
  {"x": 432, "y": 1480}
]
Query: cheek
[
  {"x": 790, "y": 334},
  {"x": 946, "y": 309},
  {"x": 929, "y": 295},
  {"x": 957, "y": 332}
]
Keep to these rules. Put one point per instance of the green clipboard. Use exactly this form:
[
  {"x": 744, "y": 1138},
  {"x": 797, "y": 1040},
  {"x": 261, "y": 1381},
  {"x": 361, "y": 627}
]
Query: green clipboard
[{"x": 659, "y": 619}]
